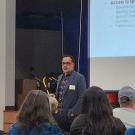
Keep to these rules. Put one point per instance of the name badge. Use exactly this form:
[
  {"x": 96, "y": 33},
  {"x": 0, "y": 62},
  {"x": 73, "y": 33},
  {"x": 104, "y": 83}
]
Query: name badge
[{"x": 71, "y": 87}]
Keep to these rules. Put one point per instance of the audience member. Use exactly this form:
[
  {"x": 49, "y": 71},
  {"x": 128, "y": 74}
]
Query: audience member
[
  {"x": 126, "y": 111},
  {"x": 96, "y": 116},
  {"x": 34, "y": 117}
]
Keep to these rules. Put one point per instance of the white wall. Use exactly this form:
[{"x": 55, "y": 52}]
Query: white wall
[
  {"x": 112, "y": 73},
  {"x": 2, "y": 58},
  {"x": 7, "y": 55},
  {"x": 10, "y": 52}
]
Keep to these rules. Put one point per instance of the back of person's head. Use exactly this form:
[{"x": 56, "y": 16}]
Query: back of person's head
[
  {"x": 34, "y": 111},
  {"x": 126, "y": 97},
  {"x": 99, "y": 117},
  {"x": 95, "y": 103}
]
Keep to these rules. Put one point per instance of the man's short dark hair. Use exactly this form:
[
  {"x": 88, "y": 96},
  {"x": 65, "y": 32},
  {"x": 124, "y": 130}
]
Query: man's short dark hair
[{"x": 68, "y": 55}]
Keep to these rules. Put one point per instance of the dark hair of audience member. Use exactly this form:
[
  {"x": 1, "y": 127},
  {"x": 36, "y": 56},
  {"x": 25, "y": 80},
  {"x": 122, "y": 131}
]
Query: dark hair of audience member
[
  {"x": 98, "y": 112},
  {"x": 34, "y": 111}
]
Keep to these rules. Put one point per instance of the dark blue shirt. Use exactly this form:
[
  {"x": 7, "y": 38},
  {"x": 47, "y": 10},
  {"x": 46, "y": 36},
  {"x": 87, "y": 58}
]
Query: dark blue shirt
[{"x": 130, "y": 131}]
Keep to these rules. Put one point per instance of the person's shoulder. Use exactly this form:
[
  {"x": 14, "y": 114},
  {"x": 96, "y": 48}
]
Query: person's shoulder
[
  {"x": 79, "y": 120},
  {"x": 118, "y": 126},
  {"x": 78, "y": 125},
  {"x": 118, "y": 112},
  {"x": 12, "y": 130},
  {"x": 52, "y": 129},
  {"x": 117, "y": 120},
  {"x": 60, "y": 75},
  {"x": 130, "y": 131},
  {"x": 77, "y": 74},
  {"x": 116, "y": 109},
  {"x": 123, "y": 109}
]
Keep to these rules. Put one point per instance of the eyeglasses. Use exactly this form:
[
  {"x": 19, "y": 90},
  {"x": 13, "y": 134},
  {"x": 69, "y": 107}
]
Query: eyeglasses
[{"x": 66, "y": 63}]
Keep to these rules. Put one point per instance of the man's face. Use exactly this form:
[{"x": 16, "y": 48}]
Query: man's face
[{"x": 67, "y": 65}]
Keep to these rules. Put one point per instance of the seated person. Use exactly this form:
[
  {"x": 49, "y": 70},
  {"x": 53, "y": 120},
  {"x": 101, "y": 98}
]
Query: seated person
[
  {"x": 96, "y": 116},
  {"x": 34, "y": 117},
  {"x": 126, "y": 111}
]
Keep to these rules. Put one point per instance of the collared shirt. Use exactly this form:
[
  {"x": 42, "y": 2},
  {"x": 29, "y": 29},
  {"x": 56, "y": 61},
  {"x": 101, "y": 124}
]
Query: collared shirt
[{"x": 62, "y": 89}]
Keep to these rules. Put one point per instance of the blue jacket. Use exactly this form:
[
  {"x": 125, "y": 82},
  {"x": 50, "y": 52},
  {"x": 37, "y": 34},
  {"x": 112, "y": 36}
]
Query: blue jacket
[
  {"x": 130, "y": 131},
  {"x": 43, "y": 129},
  {"x": 73, "y": 93}
]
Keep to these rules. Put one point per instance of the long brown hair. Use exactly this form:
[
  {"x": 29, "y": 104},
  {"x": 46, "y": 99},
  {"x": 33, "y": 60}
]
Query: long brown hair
[
  {"x": 34, "y": 111},
  {"x": 99, "y": 116}
]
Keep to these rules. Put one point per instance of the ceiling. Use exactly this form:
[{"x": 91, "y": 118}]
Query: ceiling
[
  {"x": 43, "y": 14},
  {"x": 45, "y": 6}
]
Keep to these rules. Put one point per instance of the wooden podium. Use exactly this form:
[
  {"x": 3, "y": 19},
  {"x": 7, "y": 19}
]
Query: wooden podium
[{"x": 22, "y": 87}]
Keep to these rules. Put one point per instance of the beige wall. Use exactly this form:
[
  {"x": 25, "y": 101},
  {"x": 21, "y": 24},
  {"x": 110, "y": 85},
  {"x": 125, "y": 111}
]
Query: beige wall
[
  {"x": 112, "y": 73},
  {"x": 7, "y": 55}
]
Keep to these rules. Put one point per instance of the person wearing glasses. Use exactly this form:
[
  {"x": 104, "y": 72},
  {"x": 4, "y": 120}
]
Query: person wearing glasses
[{"x": 70, "y": 88}]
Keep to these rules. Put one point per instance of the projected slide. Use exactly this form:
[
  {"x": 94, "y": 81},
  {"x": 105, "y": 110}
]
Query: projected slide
[{"x": 112, "y": 28}]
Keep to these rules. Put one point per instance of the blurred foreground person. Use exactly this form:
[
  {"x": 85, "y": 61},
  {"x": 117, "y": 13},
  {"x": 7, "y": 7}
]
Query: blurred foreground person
[
  {"x": 34, "y": 117},
  {"x": 96, "y": 116}
]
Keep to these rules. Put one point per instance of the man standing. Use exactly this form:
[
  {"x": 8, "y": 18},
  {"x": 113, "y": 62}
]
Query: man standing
[
  {"x": 126, "y": 112},
  {"x": 70, "y": 87}
]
